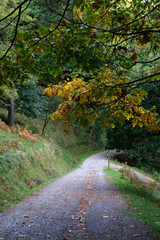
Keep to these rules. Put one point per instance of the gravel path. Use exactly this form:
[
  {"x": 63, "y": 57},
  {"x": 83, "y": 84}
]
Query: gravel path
[
  {"x": 80, "y": 205},
  {"x": 114, "y": 153}
]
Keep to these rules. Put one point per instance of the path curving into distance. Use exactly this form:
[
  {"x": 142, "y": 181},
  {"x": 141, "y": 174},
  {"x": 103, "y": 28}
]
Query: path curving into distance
[{"x": 80, "y": 205}]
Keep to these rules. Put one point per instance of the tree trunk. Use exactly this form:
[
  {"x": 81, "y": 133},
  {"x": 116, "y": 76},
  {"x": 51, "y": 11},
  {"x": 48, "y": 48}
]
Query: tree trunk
[
  {"x": 11, "y": 111},
  {"x": 46, "y": 121}
]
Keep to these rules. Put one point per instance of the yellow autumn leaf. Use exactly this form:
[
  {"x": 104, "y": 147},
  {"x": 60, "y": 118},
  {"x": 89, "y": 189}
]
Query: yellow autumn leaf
[
  {"x": 140, "y": 124},
  {"x": 49, "y": 91}
]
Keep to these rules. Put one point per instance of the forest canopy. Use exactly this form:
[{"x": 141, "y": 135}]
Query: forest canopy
[{"x": 99, "y": 57}]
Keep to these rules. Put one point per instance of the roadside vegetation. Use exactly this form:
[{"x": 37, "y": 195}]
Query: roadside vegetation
[
  {"x": 143, "y": 197},
  {"x": 29, "y": 161}
]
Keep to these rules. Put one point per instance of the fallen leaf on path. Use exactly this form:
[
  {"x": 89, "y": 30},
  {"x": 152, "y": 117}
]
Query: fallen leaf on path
[
  {"x": 83, "y": 212},
  {"x": 107, "y": 216},
  {"x": 25, "y": 216},
  {"x": 136, "y": 235}
]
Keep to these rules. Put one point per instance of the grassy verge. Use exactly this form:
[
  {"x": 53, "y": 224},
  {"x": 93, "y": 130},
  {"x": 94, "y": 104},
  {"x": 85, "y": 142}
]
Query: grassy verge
[
  {"x": 155, "y": 176},
  {"x": 29, "y": 161},
  {"x": 143, "y": 199},
  {"x": 152, "y": 174}
]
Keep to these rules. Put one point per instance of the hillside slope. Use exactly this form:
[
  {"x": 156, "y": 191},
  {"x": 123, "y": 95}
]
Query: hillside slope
[{"x": 29, "y": 160}]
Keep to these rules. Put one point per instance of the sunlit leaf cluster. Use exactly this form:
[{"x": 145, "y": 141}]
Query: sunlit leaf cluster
[{"x": 102, "y": 98}]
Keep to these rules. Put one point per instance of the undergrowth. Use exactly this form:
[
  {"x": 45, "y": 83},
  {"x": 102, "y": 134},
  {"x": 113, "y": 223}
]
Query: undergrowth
[
  {"x": 143, "y": 197},
  {"x": 29, "y": 161}
]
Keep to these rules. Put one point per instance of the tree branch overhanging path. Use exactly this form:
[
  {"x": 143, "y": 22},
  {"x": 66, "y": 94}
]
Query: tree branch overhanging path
[
  {"x": 19, "y": 9},
  {"x": 121, "y": 31},
  {"x": 111, "y": 44}
]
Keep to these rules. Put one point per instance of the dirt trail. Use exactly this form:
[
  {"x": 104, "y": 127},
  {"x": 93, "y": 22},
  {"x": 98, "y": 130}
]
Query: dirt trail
[
  {"x": 114, "y": 153},
  {"x": 80, "y": 205}
]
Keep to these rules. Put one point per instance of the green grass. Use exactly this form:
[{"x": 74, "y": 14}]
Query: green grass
[
  {"x": 28, "y": 164},
  {"x": 143, "y": 203}
]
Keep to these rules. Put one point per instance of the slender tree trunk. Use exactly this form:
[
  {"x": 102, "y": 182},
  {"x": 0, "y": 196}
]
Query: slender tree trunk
[
  {"x": 11, "y": 111},
  {"x": 46, "y": 121}
]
